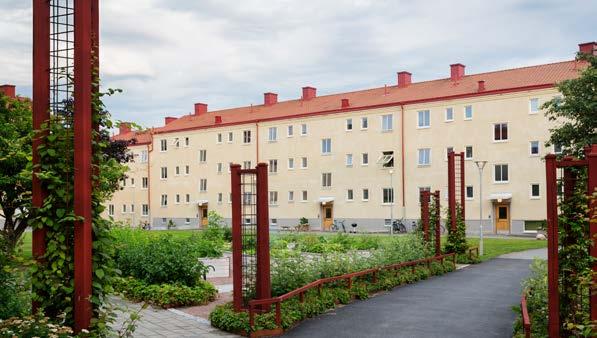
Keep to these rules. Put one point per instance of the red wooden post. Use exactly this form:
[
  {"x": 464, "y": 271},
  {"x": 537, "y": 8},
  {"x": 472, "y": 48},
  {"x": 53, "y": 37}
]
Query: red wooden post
[
  {"x": 41, "y": 112},
  {"x": 278, "y": 315},
  {"x": 592, "y": 186},
  {"x": 452, "y": 190},
  {"x": 83, "y": 156},
  {"x": 462, "y": 185},
  {"x": 237, "y": 245},
  {"x": 553, "y": 301},
  {"x": 425, "y": 214},
  {"x": 436, "y": 199},
  {"x": 263, "y": 286}
]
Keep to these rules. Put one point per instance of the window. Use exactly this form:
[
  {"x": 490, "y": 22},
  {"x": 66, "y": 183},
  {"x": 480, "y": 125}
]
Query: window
[
  {"x": 290, "y": 131},
  {"x": 230, "y": 137},
  {"x": 273, "y": 166},
  {"x": 557, "y": 149},
  {"x": 534, "y": 148},
  {"x": 388, "y": 195},
  {"x": 220, "y": 197},
  {"x": 469, "y": 192},
  {"x": 163, "y": 145},
  {"x": 349, "y": 195},
  {"x": 247, "y": 165},
  {"x": 202, "y": 156},
  {"x": 177, "y": 201},
  {"x": 188, "y": 198},
  {"x": 203, "y": 185},
  {"x": 164, "y": 220},
  {"x": 291, "y": 163},
  {"x": 177, "y": 171},
  {"x": 144, "y": 182},
  {"x": 364, "y": 123},
  {"x": 219, "y": 138},
  {"x": 365, "y": 159},
  {"x": 132, "y": 208},
  {"x": 123, "y": 181},
  {"x": 273, "y": 134},
  {"x": 468, "y": 153},
  {"x": 534, "y": 106},
  {"x": 219, "y": 166},
  {"x": 273, "y": 197},
  {"x": 535, "y": 193},
  {"x": 164, "y": 173},
  {"x": 304, "y": 196},
  {"x": 304, "y": 163},
  {"x": 500, "y": 132},
  {"x": 468, "y": 112},
  {"x": 365, "y": 194},
  {"x": 247, "y": 136},
  {"x": 187, "y": 221},
  {"x": 187, "y": 169},
  {"x": 386, "y": 159},
  {"x": 124, "y": 208},
  {"x": 176, "y": 142},
  {"x": 425, "y": 156},
  {"x": 387, "y": 122},
  {"x": 144, "y": 156},
  {"x": 448, "y": 150},
  {"x": 304, "y": 129},
  {"x": 449, "y": 114},
  {"x": 291, "y": 196},
  {"x": 326, "y": 146},
  {"x": 274, "y": 221},
  {"x": 326, "y": 180},
  {"x": 187, "y": 141},
  {"x": 111, "y": 209},
  {"x": 533, "y": 226},
  {"x": 132, "y": 182},
  {"x": 501, "y": 173},
  {"x": 145, "y": 209},
  {"x": 387, "y": 222},
  {"x": 348, "y": 124},
  {"x": 164, "y": 201},
  {"x": 349, "y": 160},
  {"x": 423, "y": 119}
]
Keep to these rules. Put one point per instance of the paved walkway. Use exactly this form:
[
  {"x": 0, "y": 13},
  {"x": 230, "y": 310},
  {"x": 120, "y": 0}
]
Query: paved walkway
[{"x": 473, "y": 302}]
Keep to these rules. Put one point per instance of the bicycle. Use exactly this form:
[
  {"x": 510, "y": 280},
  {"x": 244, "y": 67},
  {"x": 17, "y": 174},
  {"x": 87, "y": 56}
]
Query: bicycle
[
  {"x": 398, "y": 227},
  {"x": 335, "y": 226}
]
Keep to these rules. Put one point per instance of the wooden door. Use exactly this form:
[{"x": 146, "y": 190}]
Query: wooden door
[
  {"x": 204, "y": 219},
  {"x": 502, "y": 218},
  {"x": 328, "y": 218}
]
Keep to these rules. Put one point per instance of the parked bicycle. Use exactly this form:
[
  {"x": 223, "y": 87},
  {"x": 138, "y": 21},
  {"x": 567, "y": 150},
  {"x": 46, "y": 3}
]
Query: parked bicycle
[
  {"x": 337, "y": 224},
  {"x": 398, "y": 226}
]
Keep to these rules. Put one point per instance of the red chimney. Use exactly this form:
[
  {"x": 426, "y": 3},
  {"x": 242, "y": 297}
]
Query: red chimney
[
  {"x": 124, "y": 127},
  {"x": 588, "y": 48},
  {"x": 345, "y": 103},
  {"x": 8, "y": 90},
  {"x": 270, "y": 98},
  {"x": 481, "y": 85},
  {"x": 309, "y": 93},
  {"x": 404, "y": 79},
  {"x": 200, "y": 108},
  {"x": 169, "y": 119},
  {"x": 218, "y": 119},
  {"x": 456, "y": 71}
]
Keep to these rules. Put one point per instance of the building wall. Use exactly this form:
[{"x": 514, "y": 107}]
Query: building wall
[{"x": 370, "y": 215}]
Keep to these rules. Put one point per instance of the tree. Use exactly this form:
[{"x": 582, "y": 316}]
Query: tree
[
  {"x": 576, "y": 111},
  {"x": 15, "y": 173}
]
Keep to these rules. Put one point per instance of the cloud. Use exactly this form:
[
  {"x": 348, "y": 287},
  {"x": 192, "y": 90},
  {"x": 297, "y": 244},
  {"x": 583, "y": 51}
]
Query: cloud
[{"x": 168, "y": 54}]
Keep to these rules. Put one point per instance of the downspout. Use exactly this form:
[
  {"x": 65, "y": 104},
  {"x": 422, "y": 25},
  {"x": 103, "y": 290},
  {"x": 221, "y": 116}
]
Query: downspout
[
  {"x": 402, "y": 160},
  {"x": 149, "y": 150},
  {"x": 257, "y": 142}
]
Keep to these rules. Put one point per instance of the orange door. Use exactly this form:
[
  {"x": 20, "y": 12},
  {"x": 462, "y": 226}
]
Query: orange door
[
  {"x": 328, "y": 218},
  {"x": 502, "y": 218},
  {"x": 204, "y": 218}
]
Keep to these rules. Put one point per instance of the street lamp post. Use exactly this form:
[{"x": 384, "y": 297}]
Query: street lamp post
[
  {"x": 480, "y": 166},
  {"x": 392, "y": 204}
]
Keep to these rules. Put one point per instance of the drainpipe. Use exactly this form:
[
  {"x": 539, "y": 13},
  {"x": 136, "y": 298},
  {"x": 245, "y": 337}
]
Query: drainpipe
[
  {"x": 257, "y": 142},
  {"x": 402, "y": 156},
  {"x": 149, "y": 150}
]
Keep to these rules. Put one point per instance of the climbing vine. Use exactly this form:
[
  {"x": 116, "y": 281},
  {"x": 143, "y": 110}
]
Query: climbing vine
[{"x": 456, "y": 237}]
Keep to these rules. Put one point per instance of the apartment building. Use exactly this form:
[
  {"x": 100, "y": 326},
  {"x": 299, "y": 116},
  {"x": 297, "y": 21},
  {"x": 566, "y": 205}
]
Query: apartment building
[{"x": 361, "y": 156}]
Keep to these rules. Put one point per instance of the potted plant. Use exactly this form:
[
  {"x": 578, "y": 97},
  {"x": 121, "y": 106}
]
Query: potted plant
[{"x": 303, "y": 224}]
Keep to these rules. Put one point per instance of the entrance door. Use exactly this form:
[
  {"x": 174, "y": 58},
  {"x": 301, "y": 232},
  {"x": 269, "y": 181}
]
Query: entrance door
[
  {"x": 502, "y": 218},
  {"x": 328, "y": 218},
  {"x": 204, "y": 219}
]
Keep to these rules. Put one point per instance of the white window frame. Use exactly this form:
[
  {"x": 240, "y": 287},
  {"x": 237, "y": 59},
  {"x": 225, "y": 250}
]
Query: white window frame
[
  {"x": 164, "y": 201},
  {"x": 466, "y": 157},
  {"x": 387, "y": 123},
  {"x": 326, "y": 146},
  {"x": 419, "y": 152},
  {"x": 304, "y": 196},
  {"x": 448, "y": 149},
  {"x": 124, "y": 210},
  {"x": 538, "y": 108},
  {"x": 501, "y": 181},
  {"x": 177, "y": 171},
  {"x": 290, "y": 163},
  {"x": 219, "y": 138},
  {"x": 531, "y": 149},
  {"x": 363, "y": 198},
  {"x": 230, "y": 137},
  {"x": 273, "y": 166},
  {"x": 304, "y": 162},
  {"x": 349, "y": 125},
  {"x": 187, "y": 142},
  {"x": 163, "y": 145},
  {"x": 177, "y": 199},
  {"x": 391, "y": 200},
  {"x": 290, "y": 130},
  {"x": 219, "y": 167},
  {"x": 385, "y": 159},
  {"x": 451, "y": 110},
  {"x": 469, "y": 198},
  {"x": 555, "y": 149},
  {"x": 364, "y": 159},
  {"x": 164, "y": 173},
  {"x": 188, "y": 198},
  {"x": 364, "y": 123},
  {"x": 326, "y": 180},
  {"x": 111, "y": 210},
  {"x": 349, "y": 160},
  {"x": 203, "y": 156},
  {"x": 144, "y": 182},
  {"x": 501, "y": 132},
  {"x": 290, "y": 196},
  {"x": 304, "y": 129},
  {"x": 203, "y": 185},
  {"x": 349, "y": 195},
  {"x": 465, "y": 111},
  {"x": 144, "y": 209},
  {"x": 272, "y": 134},
  {"x": 423, "y": 119},
  {"x": 531, "y": 196},
  {"x": 247, "y": 137},
  {"x": 187, "y": 170},
  {"x": 220, "y": 198},
  {"x": 273, "y": 198},
  {"x": 144, "y": 157}
]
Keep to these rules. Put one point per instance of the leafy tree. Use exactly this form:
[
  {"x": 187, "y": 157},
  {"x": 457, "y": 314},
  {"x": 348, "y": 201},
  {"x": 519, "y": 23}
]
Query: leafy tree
[
  {"x": 15, "y": 178},
  {"x": 576, "y": 111}
]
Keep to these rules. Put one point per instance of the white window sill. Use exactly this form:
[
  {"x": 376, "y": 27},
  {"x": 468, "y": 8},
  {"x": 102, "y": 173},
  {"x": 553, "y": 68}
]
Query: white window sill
[
  {"x": 291, "y": 168},
  {"x": 535, "y": 197},
  {"x": 470, "y": 199},
  {"x": 246, "y": 144},
  {"x": 500, "y": 141},
  {"x": 348, "y": 130},
  {"x": 349, "y": 165},
  {"x": 364, "y": 164},
  {"x": 467, "y": 119},
  {"x": 448, "y": 121},
  {"x": 290, "y": 201},
  {"x": 423, "y": 127},
  {"x": 388, "y": 204},
  {"x": 387, "y": 131},
  {"x": 533, "y": 112},
  {"x": 272, "y": 141},
  {"x": 534, "y": 155},
  {"x": 529, "y": 231},
  {"x": 423, "y": 165},
  {"x": 349, "y": 201},
  {"x": 501, "y": 182},
  {"x": 364, "y": 129},
  {"x": 303, "y": 135},
  {"x": 364, "y": 200}
]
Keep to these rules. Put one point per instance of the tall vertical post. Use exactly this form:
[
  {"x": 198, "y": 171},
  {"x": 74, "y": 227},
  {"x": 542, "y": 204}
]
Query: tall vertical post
[
  {"x": 425, "y": 213},
  {"x": 82, "y": 164},
  {"x": 591, "y": 187},
  {"x": 41, "y": 112},
  {"x": 436, "y": 200},
  {"x": 263, "y": 287},
  {"x": 462, "y": 186},
  {"x": 237, "y": 245},
  {"x": 452, "y": 190},
  {"x": 553, "y": 297}
]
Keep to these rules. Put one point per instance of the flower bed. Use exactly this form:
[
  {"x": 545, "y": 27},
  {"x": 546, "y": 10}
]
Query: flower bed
[{"x": 166, "y": 295}]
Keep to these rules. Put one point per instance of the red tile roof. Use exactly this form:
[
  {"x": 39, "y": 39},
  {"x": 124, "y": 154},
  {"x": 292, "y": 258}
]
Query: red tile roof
[
  {"x": 518, "y": 79},
  {"x": 141, "y": 137}
]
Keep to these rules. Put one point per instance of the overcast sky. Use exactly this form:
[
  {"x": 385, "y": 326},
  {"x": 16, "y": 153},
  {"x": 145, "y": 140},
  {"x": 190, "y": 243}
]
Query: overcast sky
[{"x": 168, "y": 54}]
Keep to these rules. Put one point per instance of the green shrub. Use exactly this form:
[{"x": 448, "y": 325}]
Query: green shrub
[
  {"x": 33, "y": 326},
  {"x": 14, "y": 294},
  {"x": 536, "y": 288},
  {"x": 456, "y": 238},
  {"x": 166, "y": 295}
]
